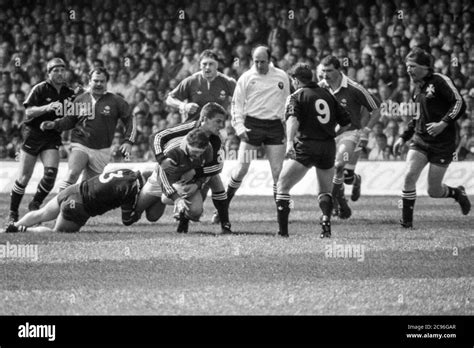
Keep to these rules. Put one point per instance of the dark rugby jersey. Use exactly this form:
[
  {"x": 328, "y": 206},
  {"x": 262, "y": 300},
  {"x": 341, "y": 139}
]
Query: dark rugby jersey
[
  {"x": 172, "y": 137},
  {"x": 196, "y": 89},
  {"x": 118, "y": 188},
  {"x": 97, "y": 130},
  {"x": 42, "y": 94},
  {"x": 439, "y": 100},
  {"x": 317, "y": 111},
  {"x": 184, "y": 163}
]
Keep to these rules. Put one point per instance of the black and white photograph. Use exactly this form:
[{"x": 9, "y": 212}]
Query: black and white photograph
[{"x": 223, "y": 159}]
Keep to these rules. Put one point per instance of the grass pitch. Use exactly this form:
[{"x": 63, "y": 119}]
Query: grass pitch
[{"x": 148, "y": 268}]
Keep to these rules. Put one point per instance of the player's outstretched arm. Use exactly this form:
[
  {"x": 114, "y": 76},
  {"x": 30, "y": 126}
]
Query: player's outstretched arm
[{"x": 32, "y": 112}]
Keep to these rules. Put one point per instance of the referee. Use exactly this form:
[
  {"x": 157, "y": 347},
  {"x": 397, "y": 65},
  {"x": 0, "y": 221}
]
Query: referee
[{"x": 258, "y": 116}]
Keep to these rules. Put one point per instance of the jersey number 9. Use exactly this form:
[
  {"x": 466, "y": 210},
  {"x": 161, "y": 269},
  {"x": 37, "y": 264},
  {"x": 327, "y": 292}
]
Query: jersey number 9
[{"x": 322, "y": 108}]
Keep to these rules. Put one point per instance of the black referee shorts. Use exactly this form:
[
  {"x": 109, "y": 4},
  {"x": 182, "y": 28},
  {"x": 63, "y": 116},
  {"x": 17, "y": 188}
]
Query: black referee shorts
[
  {"x": 267, "y": 132},
  {"x": 318, "y": 153}
]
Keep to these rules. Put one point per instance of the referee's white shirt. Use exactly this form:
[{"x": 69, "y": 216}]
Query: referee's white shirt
[{"x": 261, "y": 96}]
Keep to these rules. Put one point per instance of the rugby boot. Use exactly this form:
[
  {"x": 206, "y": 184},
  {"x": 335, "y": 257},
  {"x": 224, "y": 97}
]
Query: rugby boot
[
  {"x": 226, "y": 228},
  {"x": 344, "y": 210},
  {"x": 183, "y": 223},
  {"x": 463, "y": 200},
  {"x": 326, "y": 227},
  {"x": 12, "y": 228},
  {"x": 406, "y": 224},
  {"x": 356, "y": 188}
]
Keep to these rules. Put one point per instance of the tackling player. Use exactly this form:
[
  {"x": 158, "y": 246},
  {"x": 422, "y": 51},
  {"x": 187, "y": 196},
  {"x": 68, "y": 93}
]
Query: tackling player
[
  {"x": 353, "y": 97},
  {"x": 76, "y": 204},
  {"x": 44, "y": 102},
  {"x": 433, "y": 134},
  {"x": 212, "y": 120},
  {"x": 207, "y": 85},
  {"x": 314, "y": 113},
  {"x": 178, "y": 184},
  {"x": 97, "y": 113}
]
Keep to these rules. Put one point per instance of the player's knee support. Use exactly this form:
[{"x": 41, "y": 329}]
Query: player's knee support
[
  {"x": 348, "y": 176},
  {"x": 49, "y": 177}
]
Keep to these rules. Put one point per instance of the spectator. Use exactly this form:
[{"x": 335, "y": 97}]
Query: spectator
[
  {"x": 125, "y": 88},
  {"x": 379, "y": 153},
  {"x": 465, "y": 148},
  {"x": 145, "y": 73},
  {"x": 120, "y": 38}
]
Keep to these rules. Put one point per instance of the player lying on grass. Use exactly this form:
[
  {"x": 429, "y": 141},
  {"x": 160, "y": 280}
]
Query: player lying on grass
[
  {"x": 75, "y": 205},
  {"x": 179, "y": 185}
]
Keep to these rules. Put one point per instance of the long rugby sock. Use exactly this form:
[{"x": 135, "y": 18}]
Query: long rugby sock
[
  {"x": 222, "y": 205},
  {"x": 274, "y": 191},
  {"x": 16, "y": 195},
  {"x": 46, "y": 184},
  {"x": 283, "y": 211},
  {"x": 408, "y": 205},
  {"x": 451, "y": 192},
  {"x": 232, "y": 188},
  {"x": 325, "y": 203},
  {"x": 337, "y": 189}
]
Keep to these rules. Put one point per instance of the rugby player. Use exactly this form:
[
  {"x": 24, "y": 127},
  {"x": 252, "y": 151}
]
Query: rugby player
[
  {"x": 432, "y": 134},
  {"x": 44, "y": 102},
  {"x": 353, "y": 97},
  {"x": 314, "y": 113},
  {"x": 178, "y": 184},
  {"x": 97, "y": 113},
  {"x": 212, "y": 120},
  {"x": 207, "y": 85},
  {"x": 73, "y": 206}
]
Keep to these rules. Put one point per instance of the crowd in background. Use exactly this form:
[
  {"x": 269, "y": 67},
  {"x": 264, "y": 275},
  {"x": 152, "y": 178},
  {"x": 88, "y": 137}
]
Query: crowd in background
[{"x": 149, "y": 46}]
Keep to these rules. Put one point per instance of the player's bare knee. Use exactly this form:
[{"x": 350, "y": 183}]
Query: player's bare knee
[
  {"x": 283, "y": 185},
  {"x": 152, "y": 217},
  {"x": 194, "y": 213}
]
